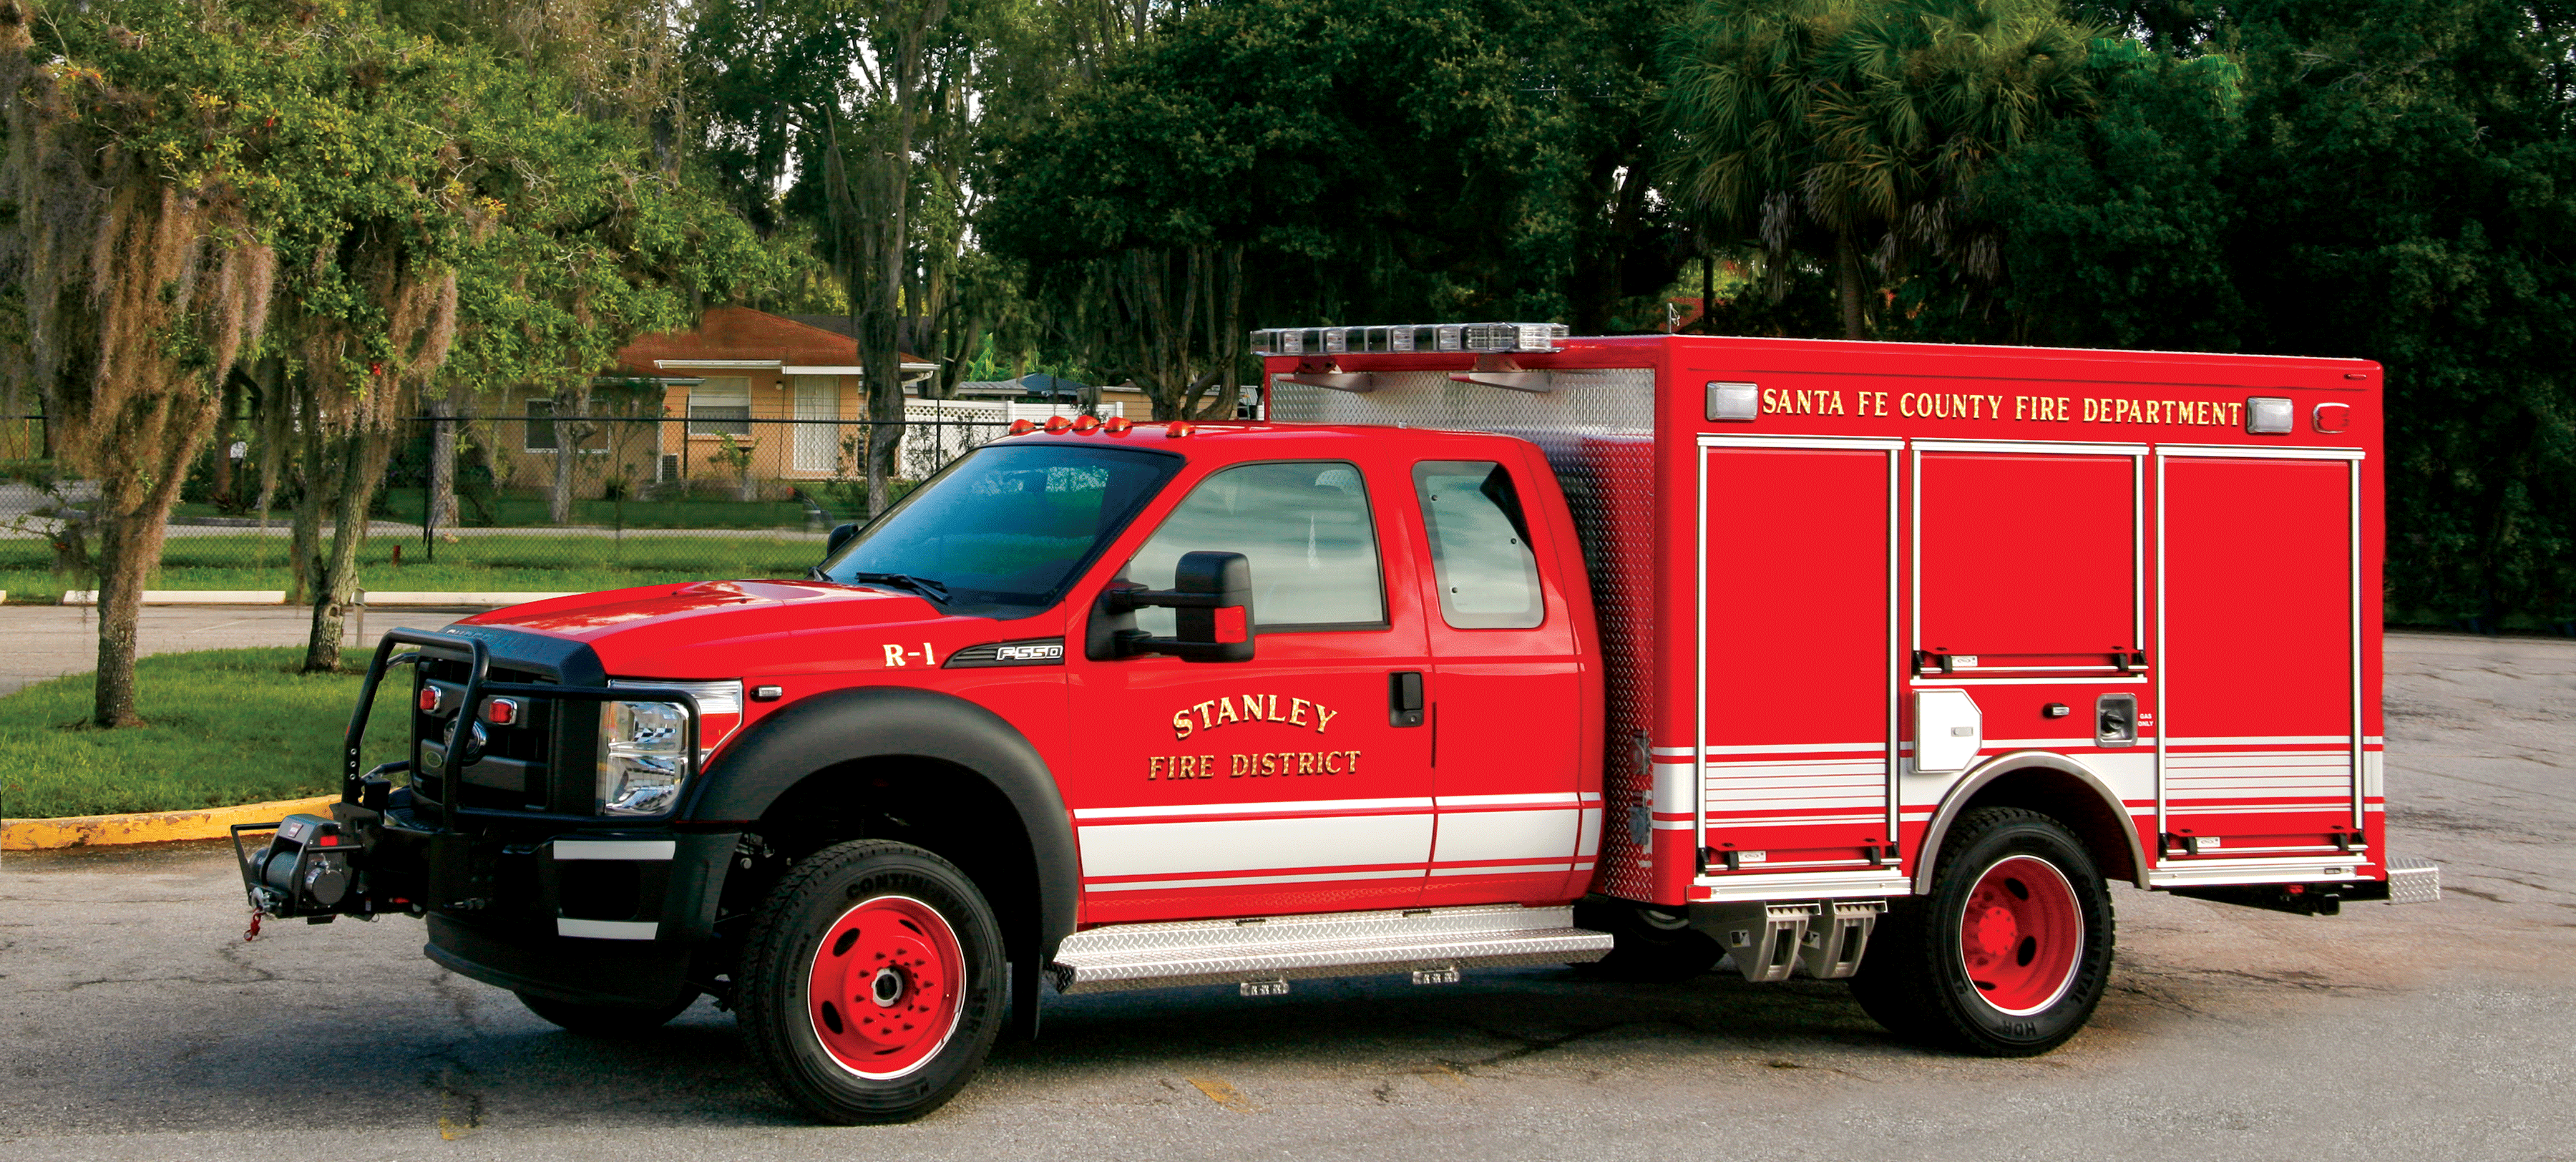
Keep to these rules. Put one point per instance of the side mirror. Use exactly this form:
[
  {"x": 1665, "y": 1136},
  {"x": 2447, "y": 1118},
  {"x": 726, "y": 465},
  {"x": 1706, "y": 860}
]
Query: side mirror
[
  {"x": 841, "y": 535},
  {"x": 1211, "y": 600}
]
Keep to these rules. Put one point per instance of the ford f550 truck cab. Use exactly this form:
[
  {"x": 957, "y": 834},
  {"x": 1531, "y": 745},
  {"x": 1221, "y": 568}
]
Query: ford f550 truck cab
[{"x": 1843, "y": 659}]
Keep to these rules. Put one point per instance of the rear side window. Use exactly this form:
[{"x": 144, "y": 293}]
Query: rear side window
[
  {"x": 1480, "y": 545},
  {"x": 1304, "y": 526}
]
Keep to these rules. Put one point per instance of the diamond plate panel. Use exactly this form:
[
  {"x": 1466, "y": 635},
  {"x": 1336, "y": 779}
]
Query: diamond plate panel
[
  {"x": 1134, "y": 956},
  {"x": 2414, "y": 880},
  {"x": 1597, "y": 432}
]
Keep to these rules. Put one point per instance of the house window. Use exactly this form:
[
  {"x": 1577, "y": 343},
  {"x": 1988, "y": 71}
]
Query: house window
[
  {"x": 540, "y": 426},
  {"x": 720, "y": 407}
]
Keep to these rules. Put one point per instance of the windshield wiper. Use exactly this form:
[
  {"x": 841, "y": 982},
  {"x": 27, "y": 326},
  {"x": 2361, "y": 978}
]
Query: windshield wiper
[{"x": 922, "y": 585}]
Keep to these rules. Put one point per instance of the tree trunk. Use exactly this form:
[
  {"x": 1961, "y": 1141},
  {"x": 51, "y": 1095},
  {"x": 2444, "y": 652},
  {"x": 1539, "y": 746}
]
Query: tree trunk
[
  {"x": 362, "y": 460},
  {"x": 316, "y": 477},
  {"x": 1847, "y": 280},
  {"x": 127, "y": 548},
  {"x": 559, "y": 494},
  {"x": 440, "y": 512}
]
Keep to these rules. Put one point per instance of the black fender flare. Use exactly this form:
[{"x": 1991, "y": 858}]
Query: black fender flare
[
  {"x": 864, "y": 722},
  {"x": 1986, "y": 773}
]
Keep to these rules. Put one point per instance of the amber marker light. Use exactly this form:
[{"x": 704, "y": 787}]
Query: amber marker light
[
  {"x": 1086, "y": 425},
  {"x": 1176, "y": 429},
  {"x": 1022, "y": 427},
  {"x": 1116, "y": 425},
  {"x": 1058, "y": 425}
]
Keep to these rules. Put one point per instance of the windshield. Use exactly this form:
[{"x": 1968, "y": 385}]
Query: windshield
[{"x": 1010, "y": 524}]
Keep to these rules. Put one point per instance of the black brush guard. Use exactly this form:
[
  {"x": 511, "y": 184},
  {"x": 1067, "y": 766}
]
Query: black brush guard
[{"x": 373, "y": 855}]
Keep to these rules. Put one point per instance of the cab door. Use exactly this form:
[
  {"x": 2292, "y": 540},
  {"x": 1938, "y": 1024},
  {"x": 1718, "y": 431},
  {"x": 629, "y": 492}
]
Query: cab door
[
  {"x": 1510, "y": 697},
  {"x": 1298, "y": 781}
]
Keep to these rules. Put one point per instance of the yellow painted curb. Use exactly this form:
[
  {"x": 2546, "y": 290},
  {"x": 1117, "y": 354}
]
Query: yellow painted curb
[{"x": 148, "y": 826}]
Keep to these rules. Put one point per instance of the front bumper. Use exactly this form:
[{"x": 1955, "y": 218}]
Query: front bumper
[{"x": 595, "y": 917}]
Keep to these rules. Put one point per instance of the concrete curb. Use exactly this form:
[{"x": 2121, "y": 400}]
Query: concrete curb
[
  {"x": 148, "y": 826},
  {"x": 371, "y": 598}
]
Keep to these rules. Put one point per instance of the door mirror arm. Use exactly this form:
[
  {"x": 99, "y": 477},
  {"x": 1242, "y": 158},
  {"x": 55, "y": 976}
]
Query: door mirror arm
[{"x": 1211, "y": 600}]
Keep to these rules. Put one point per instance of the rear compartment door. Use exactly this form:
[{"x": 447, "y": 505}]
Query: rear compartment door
[
  {"x": 2260, "y": 615},
  {"x": 1797, "y": 668}
]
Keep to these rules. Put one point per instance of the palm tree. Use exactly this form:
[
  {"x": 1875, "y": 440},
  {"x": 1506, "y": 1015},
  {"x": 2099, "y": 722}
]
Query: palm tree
[{"x": 1861, "y": 123}]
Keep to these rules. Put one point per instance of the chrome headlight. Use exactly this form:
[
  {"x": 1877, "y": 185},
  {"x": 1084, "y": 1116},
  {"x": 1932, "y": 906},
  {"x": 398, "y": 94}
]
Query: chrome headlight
[{"x": 643, "y": 746}]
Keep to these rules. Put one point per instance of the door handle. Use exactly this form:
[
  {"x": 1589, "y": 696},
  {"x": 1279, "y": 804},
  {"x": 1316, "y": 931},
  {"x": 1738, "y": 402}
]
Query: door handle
[{"x": 1404, "y": 698}]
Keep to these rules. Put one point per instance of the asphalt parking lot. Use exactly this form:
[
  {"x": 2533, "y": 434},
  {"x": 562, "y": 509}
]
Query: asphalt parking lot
[{"x": 139, "y": 1025}]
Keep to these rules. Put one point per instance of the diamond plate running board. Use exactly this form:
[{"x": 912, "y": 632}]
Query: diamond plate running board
[{"x": 1199, "y": 952}]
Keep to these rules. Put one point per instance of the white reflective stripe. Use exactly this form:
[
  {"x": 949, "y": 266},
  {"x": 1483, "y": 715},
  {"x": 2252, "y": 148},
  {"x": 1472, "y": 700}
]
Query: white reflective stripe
[
  {"x": 1675, "y": 825},
  {"x": 1853, "y": 816},
  {"x": 1507, "y": 835},
  {"x": 1591, "y": 797},
  {"x": 1779, "y": 748},
  {"x": 1588, "y": 837},
  {"x": 1537, "y": 799},
  {"x": 2265, "y": 740},
  {"x": 1246, "y": 808},
  {"x": 615, "y": 848},
  {"x": 1225, "y": 881},
  {"x": 1509, "y": 870},
  {"x": 1211, "y": 845},
  {"x": 607, "y": 929},
  {"x": 1673, "y": 788}
]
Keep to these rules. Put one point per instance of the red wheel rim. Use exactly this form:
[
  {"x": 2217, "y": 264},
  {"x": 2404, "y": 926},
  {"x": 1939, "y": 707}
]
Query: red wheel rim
[
  {"x": 885, "y": 988},
  {"x": 2021, "y": 935}
]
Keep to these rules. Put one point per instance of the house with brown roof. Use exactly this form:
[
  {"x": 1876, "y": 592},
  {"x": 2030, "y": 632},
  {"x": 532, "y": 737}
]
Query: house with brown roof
[{"x": 704, "y": 404}]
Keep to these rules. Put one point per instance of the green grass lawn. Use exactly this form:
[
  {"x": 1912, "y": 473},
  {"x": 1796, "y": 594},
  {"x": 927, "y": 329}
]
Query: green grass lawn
[
  {"x": 506, "y": 563},
  {"x": 224, "y": 727}
]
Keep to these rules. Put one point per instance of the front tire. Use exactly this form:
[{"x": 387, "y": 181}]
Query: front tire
[
  {"x": 872, "y": 983},
  {"x": 607, "y": 1020},
  {"x": 2010, "y": 952}
]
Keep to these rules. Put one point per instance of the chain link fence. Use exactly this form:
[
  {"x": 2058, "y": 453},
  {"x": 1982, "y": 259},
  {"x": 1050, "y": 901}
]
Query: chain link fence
[{"x": 526, "y": 503}]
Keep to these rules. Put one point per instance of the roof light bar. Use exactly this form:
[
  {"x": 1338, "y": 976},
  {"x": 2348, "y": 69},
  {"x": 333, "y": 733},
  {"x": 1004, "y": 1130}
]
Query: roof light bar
[{"x": 1476, "y": 338}]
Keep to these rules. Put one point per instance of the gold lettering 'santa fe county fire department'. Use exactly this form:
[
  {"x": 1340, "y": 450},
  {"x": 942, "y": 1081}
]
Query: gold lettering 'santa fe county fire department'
[{"x": 1660, "y": 648}]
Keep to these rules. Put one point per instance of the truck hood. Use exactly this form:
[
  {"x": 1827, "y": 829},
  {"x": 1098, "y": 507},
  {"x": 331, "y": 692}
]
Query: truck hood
[{"x": 733, "y": 629}]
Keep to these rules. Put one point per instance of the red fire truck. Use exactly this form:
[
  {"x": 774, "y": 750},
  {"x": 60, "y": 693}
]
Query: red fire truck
[{"x": 1490, "y": 646}]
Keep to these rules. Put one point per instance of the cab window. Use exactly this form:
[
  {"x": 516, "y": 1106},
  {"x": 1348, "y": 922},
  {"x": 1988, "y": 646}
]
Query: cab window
[
  {"x": 1305, "y": 528},
  {"x": 1480, "y": 545}
]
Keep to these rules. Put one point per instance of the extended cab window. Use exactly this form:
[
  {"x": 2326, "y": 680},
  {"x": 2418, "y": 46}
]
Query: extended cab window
[
  {"x": 1304, "y": 526},
  {"x": 1480, "y": 545},
  {"x": 1010, "y": 524}
]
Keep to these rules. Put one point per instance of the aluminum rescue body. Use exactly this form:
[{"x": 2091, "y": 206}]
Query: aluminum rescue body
[{"x": 1490, "y": 647}]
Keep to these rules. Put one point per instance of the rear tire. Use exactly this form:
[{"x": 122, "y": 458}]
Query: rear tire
[
  {"x": 2010, "y": 952},
  {"x": 607, "y": 1020},
  {"x": 872, "y": 983}
]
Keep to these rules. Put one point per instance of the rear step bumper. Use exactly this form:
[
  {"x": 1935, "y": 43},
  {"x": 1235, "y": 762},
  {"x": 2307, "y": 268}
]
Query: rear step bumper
[
  {"x": 2411, "y": 880},
  {"x": 1274, "y": 948}
]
